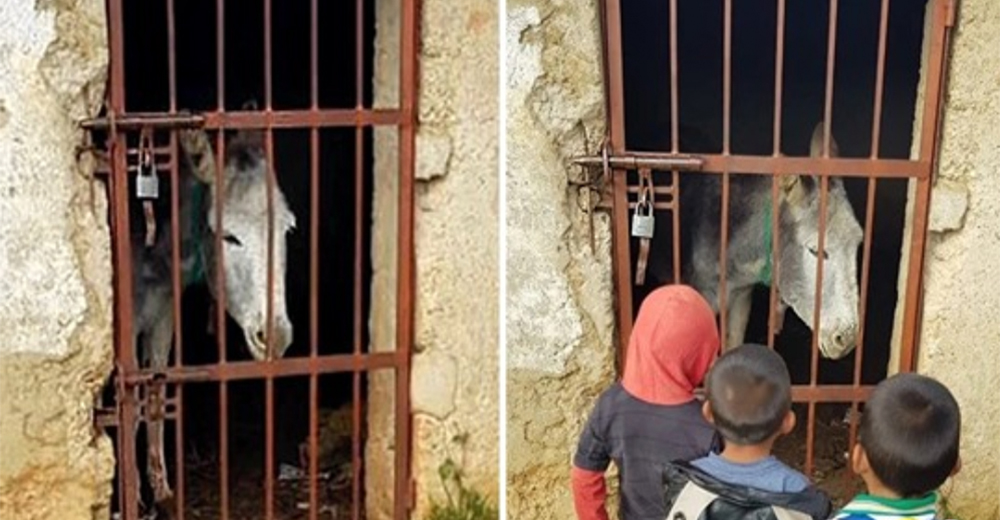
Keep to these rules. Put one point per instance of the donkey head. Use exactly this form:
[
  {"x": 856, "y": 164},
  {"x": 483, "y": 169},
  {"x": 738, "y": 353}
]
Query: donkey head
[
  {"x": 245, "y": 223},
  {"x": 799, "y": 254}
]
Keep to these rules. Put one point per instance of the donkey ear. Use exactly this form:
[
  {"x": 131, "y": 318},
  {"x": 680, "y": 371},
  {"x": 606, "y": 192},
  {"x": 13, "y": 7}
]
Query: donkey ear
[
  {"x": 816, "y": 143},
  {"x": 197, "y": 149},
  {"x": 794, "y": 189},
  {"x": 245, "y": 149}
]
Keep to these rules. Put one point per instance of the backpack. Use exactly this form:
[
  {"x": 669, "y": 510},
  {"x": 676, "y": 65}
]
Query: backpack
[{"x": 691, "y": 494}]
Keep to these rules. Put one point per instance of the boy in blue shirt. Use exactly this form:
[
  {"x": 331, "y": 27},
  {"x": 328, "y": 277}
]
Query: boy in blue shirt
[{"x": 750, "y": 404}]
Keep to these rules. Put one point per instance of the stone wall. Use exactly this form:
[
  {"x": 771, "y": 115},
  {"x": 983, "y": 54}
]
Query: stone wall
[
  {"x": 559, "y": 321},
  {"x": 960, "y": 335},
  {"x": 455, "y": 366},
  {"x": 55, "y": 268}
]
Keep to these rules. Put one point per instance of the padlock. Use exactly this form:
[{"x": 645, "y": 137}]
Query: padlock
[
  {"x": 147, "y": 183},
  {"x": 643, "y": 223}
]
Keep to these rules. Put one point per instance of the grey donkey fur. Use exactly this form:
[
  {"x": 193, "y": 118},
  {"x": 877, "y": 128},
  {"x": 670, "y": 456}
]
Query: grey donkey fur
[
  {"x": 244, "y": 237},
  {"x": 749, "y": 248}
]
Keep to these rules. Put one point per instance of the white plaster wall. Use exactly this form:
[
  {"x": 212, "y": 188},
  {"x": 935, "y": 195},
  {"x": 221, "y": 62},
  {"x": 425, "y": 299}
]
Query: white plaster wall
[
  {"x": 454, "y": 387},
  {"x": 960, "y": 333},
  {"x": 55, "y": 270},
  {"x": 559, "y": 298}
]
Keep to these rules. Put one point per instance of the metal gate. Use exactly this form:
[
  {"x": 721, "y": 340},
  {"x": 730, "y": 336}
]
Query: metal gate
[
  {"x": 142, "y": 394},
  {"x": 620, "y": 176}
]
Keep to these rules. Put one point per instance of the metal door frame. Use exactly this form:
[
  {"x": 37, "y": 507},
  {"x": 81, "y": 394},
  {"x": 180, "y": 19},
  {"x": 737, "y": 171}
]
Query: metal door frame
[
  {"x": 129, "y": 377},
  {"x": 618, "y": 194}
]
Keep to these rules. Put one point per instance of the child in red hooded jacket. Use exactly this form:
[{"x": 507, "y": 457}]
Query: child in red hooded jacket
[{"x": 651, "y": 417}]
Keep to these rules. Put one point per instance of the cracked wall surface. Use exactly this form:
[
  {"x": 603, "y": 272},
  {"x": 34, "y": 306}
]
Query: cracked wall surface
[
  {"x": 55, "y": 268},
  {"x": 454, "y": 384},
  {"x": 960, "y": 335},
  {"x": 560, "y": 352}
]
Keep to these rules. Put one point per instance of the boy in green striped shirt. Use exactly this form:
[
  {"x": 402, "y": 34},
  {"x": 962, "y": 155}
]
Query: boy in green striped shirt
[{"x": 907, "y": 447}]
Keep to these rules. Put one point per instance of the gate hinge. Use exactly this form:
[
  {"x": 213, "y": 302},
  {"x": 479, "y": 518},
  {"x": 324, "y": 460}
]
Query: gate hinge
[{"x": 105, "y": 418}]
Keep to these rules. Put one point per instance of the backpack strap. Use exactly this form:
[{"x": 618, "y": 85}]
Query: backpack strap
[
  {"x": 782, "y": 513},
  {"x": 691, "y": 503}
]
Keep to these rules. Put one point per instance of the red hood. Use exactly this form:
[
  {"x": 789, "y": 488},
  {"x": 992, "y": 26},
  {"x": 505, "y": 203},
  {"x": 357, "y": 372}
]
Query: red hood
[{"x": 674, "y": 341}]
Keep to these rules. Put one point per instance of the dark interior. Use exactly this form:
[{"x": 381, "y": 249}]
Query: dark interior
[
  {"x": 646, "y": 64},
  {"x": 147, "y": 89}
]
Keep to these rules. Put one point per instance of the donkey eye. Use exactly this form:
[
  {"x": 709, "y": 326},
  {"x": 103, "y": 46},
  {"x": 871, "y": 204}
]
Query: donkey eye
[
  {"x": 813, "y": 251},
  {"x": 230, "y": 239}
]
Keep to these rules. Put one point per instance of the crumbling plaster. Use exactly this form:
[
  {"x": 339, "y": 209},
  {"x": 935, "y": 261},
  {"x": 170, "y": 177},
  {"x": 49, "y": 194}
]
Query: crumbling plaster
[
  {"x": 560, "y": 323},
  {"x": 55, "y": 268}
]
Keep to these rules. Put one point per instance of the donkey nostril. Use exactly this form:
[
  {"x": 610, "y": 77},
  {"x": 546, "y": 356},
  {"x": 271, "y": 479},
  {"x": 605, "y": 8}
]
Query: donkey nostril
[{"x": 261, "y": 337}]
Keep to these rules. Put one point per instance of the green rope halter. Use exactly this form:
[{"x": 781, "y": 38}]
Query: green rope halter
[{"x": 194, "y": 241}]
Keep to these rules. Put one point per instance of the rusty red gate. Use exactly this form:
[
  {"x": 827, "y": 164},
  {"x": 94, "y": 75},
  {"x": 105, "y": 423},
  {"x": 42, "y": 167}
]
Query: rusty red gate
[
  {"x": 130, "y": 155},
  {"x": 624, "y": 174}
]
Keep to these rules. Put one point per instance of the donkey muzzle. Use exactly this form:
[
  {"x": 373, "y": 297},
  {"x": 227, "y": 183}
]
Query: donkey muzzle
[
  {"x": 840, "y": 342},
  {"x": 257, "y": 340}
]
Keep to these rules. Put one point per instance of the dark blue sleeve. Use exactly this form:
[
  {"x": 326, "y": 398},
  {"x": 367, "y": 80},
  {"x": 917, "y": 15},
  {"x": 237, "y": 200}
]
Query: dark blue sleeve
[{"x": 593, "y": 452}]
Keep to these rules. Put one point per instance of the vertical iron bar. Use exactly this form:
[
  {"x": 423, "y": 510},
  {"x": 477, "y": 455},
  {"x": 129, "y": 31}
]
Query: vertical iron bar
[
  {"x": 779, "y": 77},
  {"x": 359, "y": 186},
  {"x": 869, "y": 214},
  {"x": 125, "y": 397},
  {"x": 863, "y": 305},
  {"x": 220, "y": 328},
  {"x": 621, "y": 259},
  {"x": 175, "y": 265},
  {"x": 821, "y": 246},
  {"x": 675, "y": 139},
  {"x": 929, "y": 151},
  {"x": 220, "y": 260},
  {"x": 269, "y": 336},
  {"x": 727, "y": 59},
  {"x": 405, "y": 291},
  {"x": 313, "y": 261},
  {"x": 814, "y": 357},
  {"x": 620, "y": 235},
  {"x": 727, "y": 74},
  {"x": 831, "y": 55},
  {"x": 880, "y": 80}
]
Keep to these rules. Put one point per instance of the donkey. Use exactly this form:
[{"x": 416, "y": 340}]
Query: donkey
[
  {"x": 244, "y": 231},
  {"x": 749, "y": 252}
]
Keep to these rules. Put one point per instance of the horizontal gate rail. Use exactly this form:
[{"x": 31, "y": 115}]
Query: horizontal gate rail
[
  {"x": 277, "y": 119},
  {"x": 284, "y": 367},
  {"x": 762, "y": 165}
]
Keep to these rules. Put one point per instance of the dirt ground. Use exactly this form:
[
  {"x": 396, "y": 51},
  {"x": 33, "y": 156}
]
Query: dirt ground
[
  {"x": 246, "y": 495},
  {"x": 830, "y": 469},
  {"x": 291, "y": 495}
]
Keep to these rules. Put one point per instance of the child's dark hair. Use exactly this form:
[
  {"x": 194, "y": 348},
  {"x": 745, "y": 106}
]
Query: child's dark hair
[
  {"x": 749, "y": 391},
  {"x": 909, "y": 431}
]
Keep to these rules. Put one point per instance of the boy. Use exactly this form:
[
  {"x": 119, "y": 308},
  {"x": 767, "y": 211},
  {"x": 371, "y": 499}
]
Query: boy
[
  {"x": 651, "y": 417},
  {"x": 750, "y": 403},
  {"x": 907, "y": 447}
]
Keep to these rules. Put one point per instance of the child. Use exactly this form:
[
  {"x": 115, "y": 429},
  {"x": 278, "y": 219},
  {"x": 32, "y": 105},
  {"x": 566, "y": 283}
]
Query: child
[
  {"x": 651, "y": 417},
  {"x": 750, "y": 403},
  {"x": 907, "y": 447}
]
